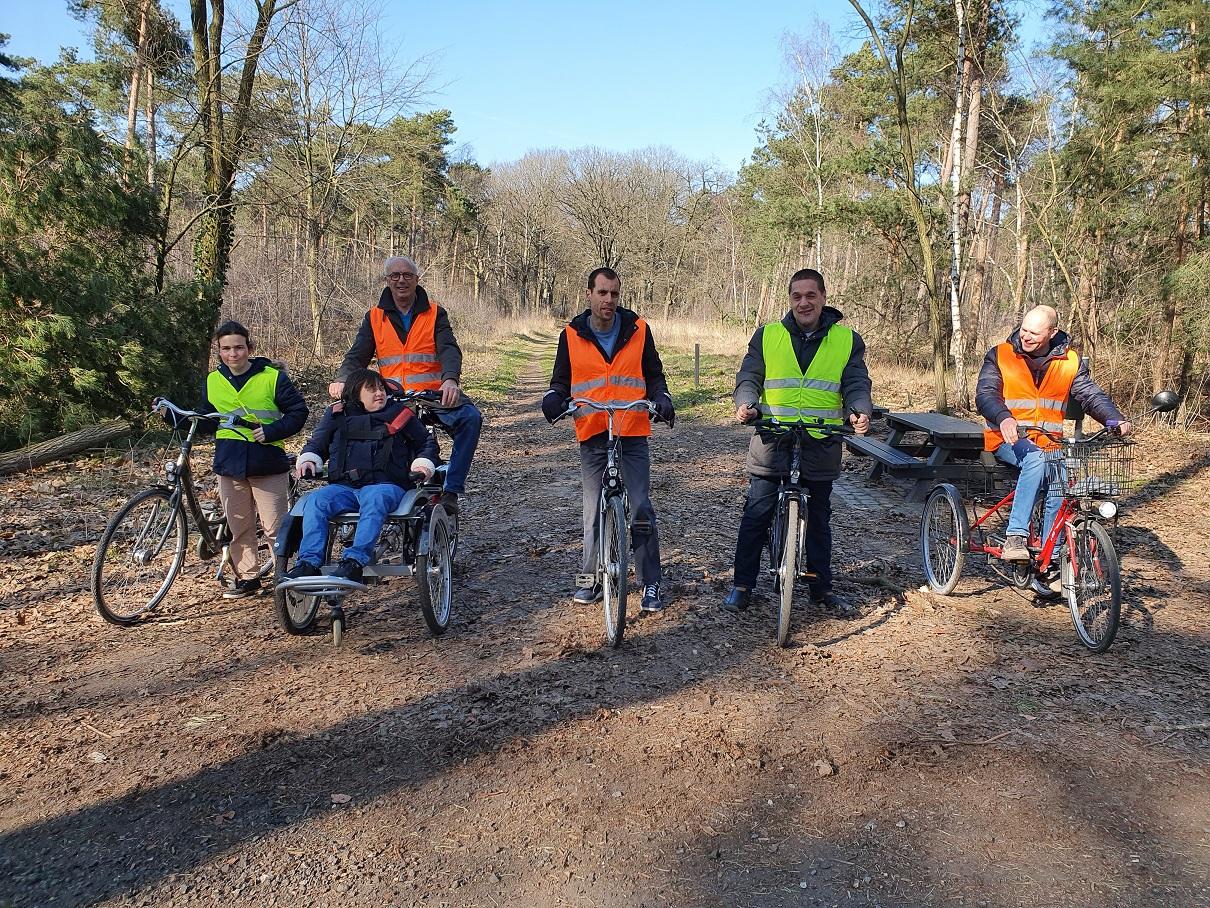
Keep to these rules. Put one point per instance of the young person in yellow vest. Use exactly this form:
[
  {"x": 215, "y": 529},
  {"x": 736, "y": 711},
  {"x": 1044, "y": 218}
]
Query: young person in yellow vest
[
  {"x": 807, "y": 365},
  {"x": 1025, "y": 383},
  {"x": 607, "y": 354},
  {"x": 251, "y": 464},
  {"x": 411, "y": 337}
]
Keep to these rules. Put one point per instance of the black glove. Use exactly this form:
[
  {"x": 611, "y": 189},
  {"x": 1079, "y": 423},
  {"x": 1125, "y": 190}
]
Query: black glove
[
  {"x": 554, "y": 406},
  {"x": 664, "y": 409}
]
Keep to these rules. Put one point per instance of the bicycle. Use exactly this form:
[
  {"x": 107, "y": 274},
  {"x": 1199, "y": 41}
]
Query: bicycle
[
  {"x": 613, "y": 515},
  {"x": 1088, "y": 473},
  {"x": 143, "y": 547},
  {"x": 787, "y": 533},
  {"x": 419, "y": 539}
]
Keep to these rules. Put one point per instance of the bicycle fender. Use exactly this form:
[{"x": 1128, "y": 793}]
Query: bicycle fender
[{"x": 426, "y": 538}]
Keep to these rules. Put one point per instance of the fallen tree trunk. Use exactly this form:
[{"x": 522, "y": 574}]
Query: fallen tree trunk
[{"x": 63, "y": 446}]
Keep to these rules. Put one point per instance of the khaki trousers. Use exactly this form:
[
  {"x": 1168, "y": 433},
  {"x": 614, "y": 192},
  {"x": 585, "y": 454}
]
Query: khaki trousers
[{"x": 242, "y": 499}]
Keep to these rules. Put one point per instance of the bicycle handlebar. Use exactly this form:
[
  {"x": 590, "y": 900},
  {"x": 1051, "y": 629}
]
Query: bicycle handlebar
[
  {"x": 774, "y": 425},
  {"x": 225, "y": 420},
  {"x": 577, "y": 402}
]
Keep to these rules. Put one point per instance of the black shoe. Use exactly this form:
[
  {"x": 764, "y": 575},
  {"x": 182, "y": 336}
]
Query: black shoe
[
  {"x": 449, "y": 501},
  {"x": 242, "y": 588},
  {"x": 348, "y": 569},
  {"x": 651, "y": 599},
  {"x": 586, "y": 595},
  {"x": 302, "y": 569},
  {"x": 833, "y": 601},
  {"x": 737, "y": 600}
]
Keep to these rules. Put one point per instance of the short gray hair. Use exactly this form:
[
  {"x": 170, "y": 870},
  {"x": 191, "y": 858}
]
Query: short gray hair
[{"x": 386, "y": 266}]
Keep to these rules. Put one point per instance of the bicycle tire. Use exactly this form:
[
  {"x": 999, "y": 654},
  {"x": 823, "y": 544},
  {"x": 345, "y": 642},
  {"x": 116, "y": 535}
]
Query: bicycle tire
[
  {"x": 295, "y": 611},
  {"x": 787, "y": 572},
  {"x": 139, "y": 556},
  {"x": 1092, "y": 583},
  {"x": 773, "y": 545},
  {"x": 434, "y": 574},
  {"x": 944, "y": 530},
  {"x": 614, "y": 567}
]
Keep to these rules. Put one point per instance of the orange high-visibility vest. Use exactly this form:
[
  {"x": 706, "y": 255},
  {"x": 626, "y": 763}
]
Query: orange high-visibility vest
[
  {"x": 617, "y": 382},
  {"x": 1041, "y": 407},
  {"x": 413, "y": 364}
]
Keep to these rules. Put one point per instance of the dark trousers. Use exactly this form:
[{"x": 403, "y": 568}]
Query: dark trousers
[
  {"x": 634, "y": 457},
  {"x": 754, "y": 532}
]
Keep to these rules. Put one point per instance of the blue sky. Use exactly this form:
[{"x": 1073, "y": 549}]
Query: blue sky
[{"x": 693, "y": 76}]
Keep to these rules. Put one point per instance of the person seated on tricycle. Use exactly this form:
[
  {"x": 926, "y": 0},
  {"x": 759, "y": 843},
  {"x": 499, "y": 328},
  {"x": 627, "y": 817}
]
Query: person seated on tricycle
[{"x": 371, "y": 445}]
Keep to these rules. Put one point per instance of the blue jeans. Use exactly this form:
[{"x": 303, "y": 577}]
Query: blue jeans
[
  {"x": 374, "y": 502},
  {"x": 758, "y": 517},
  {"x": 1035, "y": 478},
  {"x": 464, "y": 423}
]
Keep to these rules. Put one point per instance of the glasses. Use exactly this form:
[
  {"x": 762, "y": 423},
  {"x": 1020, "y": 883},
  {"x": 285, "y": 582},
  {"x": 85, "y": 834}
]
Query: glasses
[{"x": 402, "y": 276}]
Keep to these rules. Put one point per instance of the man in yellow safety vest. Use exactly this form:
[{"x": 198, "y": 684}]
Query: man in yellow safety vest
[{"x": 805, "y": 366}]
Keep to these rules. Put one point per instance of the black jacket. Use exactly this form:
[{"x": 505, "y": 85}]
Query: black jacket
[
  {"x": 653, "y": 368},
  {"x": 366, "y": 448},
  {"x": 989, "y": 389},
  {"x": 363, "y": 348},
  {"x": 820, "y": 457},
  {"x": 240, "y": 459}
]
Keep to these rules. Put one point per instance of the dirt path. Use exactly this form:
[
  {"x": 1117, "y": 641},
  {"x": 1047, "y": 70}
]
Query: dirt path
[{"x": 928, "y": 752}]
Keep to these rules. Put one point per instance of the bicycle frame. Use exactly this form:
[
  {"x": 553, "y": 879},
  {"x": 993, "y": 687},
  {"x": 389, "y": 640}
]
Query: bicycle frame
[{"x": 1060, "y": 527}]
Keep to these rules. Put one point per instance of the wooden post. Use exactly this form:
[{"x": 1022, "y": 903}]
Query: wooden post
[{"x": 697, "y": 365}]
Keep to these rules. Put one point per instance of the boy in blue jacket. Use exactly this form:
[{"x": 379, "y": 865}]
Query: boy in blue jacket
[{"x": 371, "y": 447}]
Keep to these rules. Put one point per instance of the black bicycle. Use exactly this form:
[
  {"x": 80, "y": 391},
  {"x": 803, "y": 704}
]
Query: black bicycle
[
  {"x": 613, "y": 521},
  {"x": 143, "y": 547},
  {"x": 787, "y": 534}
]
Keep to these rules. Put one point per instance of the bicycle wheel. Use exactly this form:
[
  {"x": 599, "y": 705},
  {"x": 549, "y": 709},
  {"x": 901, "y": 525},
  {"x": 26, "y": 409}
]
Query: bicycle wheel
[
  {"x": 943, "y": 534},
  {"x": 139, "y": 556},
  {"x": 434, "y": 574},
  {"x": 787, "y": 571},
  {"x": 1092, "y": 583},
  {"x": 615, "y": 566},
  {"x": 295, "y": 611}
]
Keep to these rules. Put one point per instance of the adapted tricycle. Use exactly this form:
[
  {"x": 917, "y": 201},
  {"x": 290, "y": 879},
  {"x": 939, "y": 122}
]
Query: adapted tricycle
[{"x": 419, "y": 539}]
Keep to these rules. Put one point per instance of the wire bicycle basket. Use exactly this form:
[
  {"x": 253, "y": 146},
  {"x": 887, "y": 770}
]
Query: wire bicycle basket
[{"x": 1097, "y": 469}]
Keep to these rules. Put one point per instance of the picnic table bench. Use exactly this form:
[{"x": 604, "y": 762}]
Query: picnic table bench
[{"x": 951, "y": 449}]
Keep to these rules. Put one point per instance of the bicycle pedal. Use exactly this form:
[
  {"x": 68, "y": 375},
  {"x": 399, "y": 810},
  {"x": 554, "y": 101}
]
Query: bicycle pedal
[{"x": 586, "y": 581}]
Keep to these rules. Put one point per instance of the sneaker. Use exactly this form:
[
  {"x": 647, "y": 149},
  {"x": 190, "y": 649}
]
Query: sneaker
[
  {"x": 587, "y": 594},
  {"x": 1014, "y": 549},
  {"x": 833, "y": 601},
  {"x": 651, "y": 599},
  {"x": 302, "y": 569},
  {"x": 242, "y": 588},
  {"x": 449, "y": 501},
  {"x": 737, "y": 600},
  {"x": 348, "y": 569}
]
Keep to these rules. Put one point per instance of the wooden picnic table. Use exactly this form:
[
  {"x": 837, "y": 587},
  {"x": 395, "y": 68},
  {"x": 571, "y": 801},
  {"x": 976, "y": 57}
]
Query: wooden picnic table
[{"x": 952, "y": 449}]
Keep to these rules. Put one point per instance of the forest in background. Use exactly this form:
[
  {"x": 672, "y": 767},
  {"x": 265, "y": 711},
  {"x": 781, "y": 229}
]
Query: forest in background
[{"x": 262, "y": 159}]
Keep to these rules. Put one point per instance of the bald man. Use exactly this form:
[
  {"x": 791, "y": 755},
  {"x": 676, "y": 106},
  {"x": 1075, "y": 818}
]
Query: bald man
[
  {"x": 412, "y": 340},
  {"x": 1024, "y": 387}
]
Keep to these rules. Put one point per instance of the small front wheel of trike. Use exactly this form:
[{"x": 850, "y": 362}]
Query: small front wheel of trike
[
  {"x": 1092, "y": 583},
  {"x": 139, "y": 556},
  {"x": 944, "y": 530},
  {"x": 295, "y": 610},
  {"x": 434, "y": 572}
]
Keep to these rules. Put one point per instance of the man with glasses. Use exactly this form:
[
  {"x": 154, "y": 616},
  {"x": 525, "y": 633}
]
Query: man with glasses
[{"x": 414, "y": 344}]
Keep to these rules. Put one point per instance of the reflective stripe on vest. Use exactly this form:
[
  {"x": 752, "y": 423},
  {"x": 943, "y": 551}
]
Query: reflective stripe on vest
[
  {"x": 791, "y": 395},
  {"x": 617, "y": 383},
  {"x": 256, "y": 402},
  {"x": 1031, "y": 406},
  {"x": 413, "y": 364}
]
